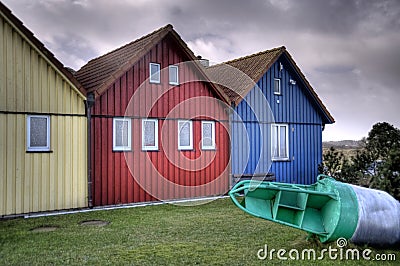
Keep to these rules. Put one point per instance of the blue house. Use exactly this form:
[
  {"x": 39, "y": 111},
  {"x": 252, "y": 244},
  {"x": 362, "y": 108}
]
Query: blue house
[{"x": 278, "y": 119}]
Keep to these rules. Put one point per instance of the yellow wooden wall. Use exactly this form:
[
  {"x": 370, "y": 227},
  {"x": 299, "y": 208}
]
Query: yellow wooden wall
[{"x": 30, "y": 83}]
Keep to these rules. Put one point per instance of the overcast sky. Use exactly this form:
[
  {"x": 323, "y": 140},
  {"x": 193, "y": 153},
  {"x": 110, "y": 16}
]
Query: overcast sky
[{"x": 349, "y": 50}]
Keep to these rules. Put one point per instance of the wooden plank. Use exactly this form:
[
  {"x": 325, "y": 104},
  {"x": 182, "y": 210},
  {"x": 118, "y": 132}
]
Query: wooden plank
[
  {"x": 45, "y": 183},
  {"x": 75, "y": 162},
  {"x": 160, "y": 162},
  {"x": 36, "y": 181},
  {"x": 110, "y": 155},
  {"x": 18, "y": 72},
  {"x": 136, "y": 161},
  {"x": 11, "y": 166},
  {"x": 81, "y": 158},
  {"x": 3, "y": 163},
  {"x": 10, "y": 102},
  {"x": 53, "y": 164},
  {"x": 3, "y": 65},
  {"x": 118, "y": 181},
  {"x": 96, "y": 155},
  {"x": 43, "y": 87},
  {"x": 27, "y": 77},
  {"x": 85, "y": 164},
  {"x": 53, "y": 85},
  {"x": 59, "y": 141},
  {"x": 36, "y": 86},
  {"x": 121, "y": 99},
  {"x": 69, "y": 161},
  {"x": 103, "y": 163},
  {"x": 19, "y": 162},
  {"x": 27, "y": 186}
]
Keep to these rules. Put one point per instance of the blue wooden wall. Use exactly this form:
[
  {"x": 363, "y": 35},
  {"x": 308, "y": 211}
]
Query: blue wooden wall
[{"x": 251, "y": 128}]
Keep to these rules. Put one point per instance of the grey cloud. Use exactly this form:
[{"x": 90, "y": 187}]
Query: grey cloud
[
  {"x": 335, "y": 69},
  {"x": 348, "y": 49},
  {"x": 72, "y": 49}
]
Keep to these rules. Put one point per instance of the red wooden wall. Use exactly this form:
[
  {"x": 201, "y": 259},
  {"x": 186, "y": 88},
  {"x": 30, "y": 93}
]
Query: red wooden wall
[{"x": 119, "y": 177}]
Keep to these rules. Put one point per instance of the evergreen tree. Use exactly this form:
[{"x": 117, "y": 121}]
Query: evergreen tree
[
  {"x": 382, "y": 138},
  {"x": 376, "y": 165}
]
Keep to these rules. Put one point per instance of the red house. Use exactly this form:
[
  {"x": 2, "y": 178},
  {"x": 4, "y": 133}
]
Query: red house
[{"x": 159, "y": 128}]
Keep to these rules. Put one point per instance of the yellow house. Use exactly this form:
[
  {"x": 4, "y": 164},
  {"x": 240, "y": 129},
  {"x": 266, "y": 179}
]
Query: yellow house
[{"x": 43, "y": 126}]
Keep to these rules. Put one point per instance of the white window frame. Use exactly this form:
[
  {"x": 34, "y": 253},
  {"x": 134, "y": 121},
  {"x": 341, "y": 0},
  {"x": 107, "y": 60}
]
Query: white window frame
[
  {"x": 204, "y": 147},
  {"x": 190, "y": 146},
  {"x": 150, "y": 148},
  {"x": 28, "y": 134},
  {"x": 155, "y": 77},
  {"x": 129, "y": 146},
  {"x": 278, "y": 142},
  {"x": 177, "y": 75},
  {"x": 279, "y": 92}
]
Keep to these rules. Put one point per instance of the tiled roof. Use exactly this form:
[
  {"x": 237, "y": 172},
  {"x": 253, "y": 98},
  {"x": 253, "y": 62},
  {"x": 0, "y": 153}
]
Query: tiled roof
[
  {"x": 254, "y": 66},
  {"x": 40, "y": 47},
  {"x": 98, "y": 74}
]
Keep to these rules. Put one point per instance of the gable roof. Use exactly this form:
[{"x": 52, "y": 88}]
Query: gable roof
[
  {"x": 41, "y": 49},
  {"x": 99, "y": 73},
  {"x": 255, "y": 66}
]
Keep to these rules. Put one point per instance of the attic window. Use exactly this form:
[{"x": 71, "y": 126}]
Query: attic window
[
  {"x": 173, "y": 75},
  {"x": 154, "y": 73},
  {"x": 277, "y": 86}
]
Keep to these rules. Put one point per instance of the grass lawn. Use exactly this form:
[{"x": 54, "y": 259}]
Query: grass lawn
[{"x": 217, "y": 233}]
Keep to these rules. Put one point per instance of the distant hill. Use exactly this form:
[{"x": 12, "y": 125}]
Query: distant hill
[{"x": 343, "y": 144}]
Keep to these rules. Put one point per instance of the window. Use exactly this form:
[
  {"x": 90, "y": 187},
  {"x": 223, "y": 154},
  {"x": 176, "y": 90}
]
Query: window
[
  {"x": 122, "y": 134},
  {"x": 277, "y": 86},
  {"x": 38, "y": 133},
  {"x": 280, "y": 145},
  {"x": 185, "y": 135},
  {"x": 154, "y": 73},
  {"x": 149, "y": 134},
  {"x": 173, "y": 75},
  {"x": 208, "y": 135}
]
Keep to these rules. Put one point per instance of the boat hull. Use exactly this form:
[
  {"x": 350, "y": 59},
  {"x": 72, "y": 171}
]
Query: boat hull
[{"x": 327, "y": 208}]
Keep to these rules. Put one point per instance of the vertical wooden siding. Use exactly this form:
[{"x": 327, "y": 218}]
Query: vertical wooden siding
[
  {"x": 295, "y": 108},
  {"x": 113, "y": 182},
  {"x": 33, "y": 182}
]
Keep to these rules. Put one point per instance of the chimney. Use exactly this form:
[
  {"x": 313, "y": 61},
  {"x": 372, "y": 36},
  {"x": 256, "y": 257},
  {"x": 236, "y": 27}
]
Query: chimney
[{"x": 203, "y": 62}]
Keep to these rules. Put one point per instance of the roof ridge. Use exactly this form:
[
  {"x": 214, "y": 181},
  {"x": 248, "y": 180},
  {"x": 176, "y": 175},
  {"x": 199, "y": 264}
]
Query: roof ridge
[
  {"x": 249, "y": 56},
  {"x": 168, "y": 27}
]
